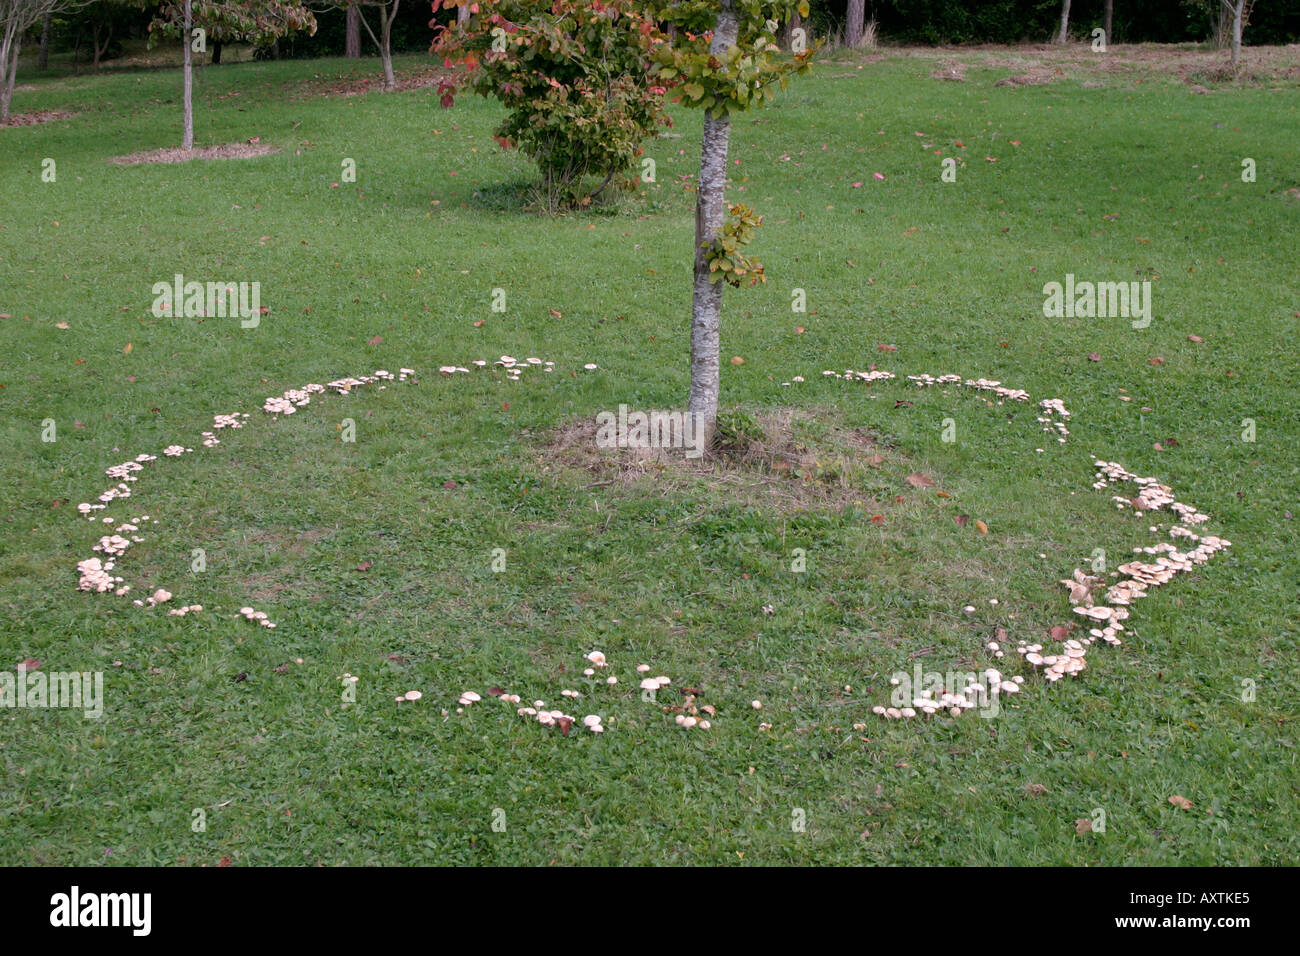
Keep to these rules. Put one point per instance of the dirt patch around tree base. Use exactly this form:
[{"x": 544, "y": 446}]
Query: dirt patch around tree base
[
  {"x": 36, "y": 117},
  {"x": 784, "y": 461},
  {"x": 177, "y": 155}
]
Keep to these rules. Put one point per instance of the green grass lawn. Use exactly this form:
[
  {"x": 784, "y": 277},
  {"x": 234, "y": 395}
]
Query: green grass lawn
[{"x": 1115, "y": 171}]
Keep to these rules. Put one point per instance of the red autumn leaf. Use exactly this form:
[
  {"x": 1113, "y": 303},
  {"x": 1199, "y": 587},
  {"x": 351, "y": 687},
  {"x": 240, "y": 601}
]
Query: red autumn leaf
[
  {"x": 564, "y": 723},
  {"x": 1158, "y": 360},
  {"x": 495, "y": 691},
  {"x": 877, "y": 519},
  {"x": 961, "y": 520},
  {"x": 886, "y": 348},
  {"x": 449, "y": 484},
  {"x": 1094, "y": 357},
  {"x": 376, "y": 340},
  {"x": 1059, "y": 632},
  {"x": 364, "y": 566},
  {"x": 30, "y": 664}
]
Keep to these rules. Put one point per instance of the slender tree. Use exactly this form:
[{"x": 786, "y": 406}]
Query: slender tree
[
  {"x": 43, "y": 61},
  {"x": 1239, "y": 11},
  {"x": 1064, "y": 35},
  {"x": 260, "y": 21},
  {"x": 384, "y": 41},
  {"x": 1108, "y": 20},
  {"x": 16, "y": 18},
  {"x": 732, "y": 68}
]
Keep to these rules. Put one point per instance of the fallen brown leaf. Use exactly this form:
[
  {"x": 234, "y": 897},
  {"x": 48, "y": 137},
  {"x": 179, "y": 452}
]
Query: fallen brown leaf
[
  {"x": 1182, "y": 803},
  {"x": 918, "y": 480}
]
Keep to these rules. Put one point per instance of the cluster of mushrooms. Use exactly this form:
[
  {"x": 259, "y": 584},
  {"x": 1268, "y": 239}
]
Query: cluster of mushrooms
[
  {"x": 1104, "y": 618},
  {"x": 688, "y": 715},
  {"x": 96, "y": 574}
]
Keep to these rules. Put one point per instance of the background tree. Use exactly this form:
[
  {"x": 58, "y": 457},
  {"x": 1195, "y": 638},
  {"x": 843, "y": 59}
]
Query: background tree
[
  {"x": 16, "y": 18},
  {"x": 1108, "y": 20},
  {"x": 100, "y": 22},
  {"x": 387, "y": 10},
  {"x": 259, "y": 21},
  {"x": 732, "y": 68},
  {"x": 352, "y": 43},
  {"x": 47, "y": 24},
  {"x": 574, "y": 78},
  {"x": 1240, "y": 13},
  {"x": 854, "y": 17},
  {"x": 1064, "y": 35}
]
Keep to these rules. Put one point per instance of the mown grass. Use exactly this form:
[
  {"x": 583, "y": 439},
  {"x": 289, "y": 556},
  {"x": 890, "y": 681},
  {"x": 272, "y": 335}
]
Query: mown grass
[{"x": 1139, "y": 178}]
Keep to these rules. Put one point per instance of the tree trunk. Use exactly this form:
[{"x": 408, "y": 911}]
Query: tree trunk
[
  {"x": 188, "y": 141},
  {"x": 794, "y": 23},
  {"x": 216, "y": 52},
  {"x": 462, "y": 14},
  {"x": 13, "y": 42},
  {"x": 1237, "y": 10},
  {"x": 386, "y": 18},
  {"x": 352, "y": 45},
  {"x": 108, "y": 38},
  {"x": 710, "y": 211},
  {"x": 43, "y": 61},
  {"x": 853, "y": 23},
  {"x": 383, "y": 41},
  {"x": 1065, "y": 22},
  {"x": 1108, "y": 20}
]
